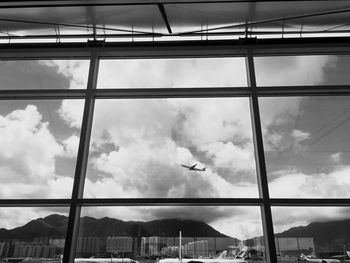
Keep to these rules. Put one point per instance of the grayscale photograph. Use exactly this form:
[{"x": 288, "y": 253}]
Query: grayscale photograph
[{"x": 175, "y": 131}]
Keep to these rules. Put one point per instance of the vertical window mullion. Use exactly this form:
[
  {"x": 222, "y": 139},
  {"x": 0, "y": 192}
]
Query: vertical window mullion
[
  {"x": 80, "y": 171},
  {"x": 269, "y": 239}
]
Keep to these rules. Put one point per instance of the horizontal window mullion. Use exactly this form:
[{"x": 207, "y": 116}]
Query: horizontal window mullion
[
  {"x": 170, "y": 201},
  {"x": 172, "y": 92},
  {"x": 34, "y": 202},
  {"x": 42, "y": 94},
  {"x": 310, "y": 201},
  {"x": 304, "y": 90}
]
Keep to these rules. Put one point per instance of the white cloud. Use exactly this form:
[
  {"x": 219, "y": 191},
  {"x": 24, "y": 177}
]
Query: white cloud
[
  {"x": 333, "y": 184},
  {"x": 27, "y": 159},
  {"x": 336, "y": 157},
  {"x": 151, "y": 138},
  {"x": 300, "y": 135},
  {"x": 231, "y": 156},
  {"x": 75, "y": 70},
  {"x": 170, "y": 73},
  {"x": 292, "y": 70},
  {"x": 72, "y": 112},
  {"x": 71, "y": 146}
]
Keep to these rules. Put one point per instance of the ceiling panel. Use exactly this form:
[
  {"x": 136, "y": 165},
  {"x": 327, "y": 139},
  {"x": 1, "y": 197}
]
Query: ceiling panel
[{"x": 123, "y": 17}]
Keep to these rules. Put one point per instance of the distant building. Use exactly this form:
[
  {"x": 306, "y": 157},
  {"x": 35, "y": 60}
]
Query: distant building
[{"x": 293, "y": 246}]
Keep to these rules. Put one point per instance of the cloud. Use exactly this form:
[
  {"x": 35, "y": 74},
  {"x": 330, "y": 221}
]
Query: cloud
[
  {"x": 71, "y": 111},
  {"x": 29, "y": 154},
  {"x": 333, "y": 184},
  {"x": 75, "y": 71},
  {"x": 336, "y": 157},
  {"x": 168, "y": 73},
  {"x": 138, "y": 145},
  {"x": 149, "y": 146},
  {"x": 71, "y": 145},
  {"x": 292, "y": 70},
  {"x": 285, "y": 218}
]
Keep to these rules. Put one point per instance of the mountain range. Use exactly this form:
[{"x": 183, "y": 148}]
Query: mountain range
[
  {"x": 328, "y": 236},
  {"x": 55, "y": 226}
]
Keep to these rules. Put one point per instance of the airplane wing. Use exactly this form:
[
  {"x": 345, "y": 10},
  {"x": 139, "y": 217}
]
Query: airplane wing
[
  {"x": 193, "y": 166},
  {"x": 200, "y": 170}
]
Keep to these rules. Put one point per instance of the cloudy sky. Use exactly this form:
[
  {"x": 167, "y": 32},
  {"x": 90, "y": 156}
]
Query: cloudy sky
[{"x": 137, "y": 146}]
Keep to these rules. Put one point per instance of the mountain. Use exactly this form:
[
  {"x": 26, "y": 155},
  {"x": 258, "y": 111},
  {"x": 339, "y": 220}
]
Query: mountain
[
  {"x": 328, "y": 236},
  {"x": 55, "y": 226},
  {"x": 52, "y": 226}
]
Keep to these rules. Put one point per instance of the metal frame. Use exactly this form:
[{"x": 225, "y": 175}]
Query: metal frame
[
  {"x": 246, "y": 27},
  {"x": 247, "y": 49}
]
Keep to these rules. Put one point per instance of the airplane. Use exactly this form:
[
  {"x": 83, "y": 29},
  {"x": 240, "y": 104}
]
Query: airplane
[
  {"x": 193, "y": 168},
  {"x": 220, "y": 259},
  {"x": 239, "y": 258},
  {"x": 313, "y": 259}
]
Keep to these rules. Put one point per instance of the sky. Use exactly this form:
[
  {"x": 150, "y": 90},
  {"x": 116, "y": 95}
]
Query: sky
[{"x": 138, "y": 146}]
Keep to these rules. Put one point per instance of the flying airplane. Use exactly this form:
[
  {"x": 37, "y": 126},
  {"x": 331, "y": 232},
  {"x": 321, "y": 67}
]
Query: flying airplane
[
  {"x": 193, "y": 168},
  {"x": 313, "y": 259}
]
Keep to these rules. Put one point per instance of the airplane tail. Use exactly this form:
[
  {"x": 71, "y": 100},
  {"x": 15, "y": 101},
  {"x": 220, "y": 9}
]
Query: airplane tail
[
  {"x": 348, "y": 253},
  {"x": 223, "y": 254},
  {"x": 204, "y": 169},
  {"x": 302, "y": 256}
]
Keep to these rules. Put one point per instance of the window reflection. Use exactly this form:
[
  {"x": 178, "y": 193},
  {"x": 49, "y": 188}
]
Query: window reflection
[
  {"x": 172, "y": 73},
  {"x": 171, "y": 148},
  {"x": 43, "y": 74},
  {"x": 32, "y": 234},
  {"x": 146, "y": 234},
  {"x": 302, "y": 70},
  {"x": 306, "y": 143},
  {"x": 39, "y": 143},
  {"x": 314, "y": 234}
]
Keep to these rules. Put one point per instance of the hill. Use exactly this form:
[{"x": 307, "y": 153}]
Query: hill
[{"x": 55, "y": 226}]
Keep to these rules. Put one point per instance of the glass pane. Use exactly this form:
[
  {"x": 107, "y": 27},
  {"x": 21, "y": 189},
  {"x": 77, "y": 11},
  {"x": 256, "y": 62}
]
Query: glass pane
[
  {"x": 171, "y": 148},
  {"x": 302, "y": 70},
  {"x": 315, "y": 234},
  {"x": 172, "y": 73},
  {"x": 307, "y": 146},
  {"x": 39, "y": 143},
  {"x": 43, "y": 74},
  {"x": 153, "y": 232},
  {"x": 33, "y": 234}
]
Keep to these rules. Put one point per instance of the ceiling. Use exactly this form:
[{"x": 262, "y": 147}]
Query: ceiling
[{"x": 122, "y": 20}]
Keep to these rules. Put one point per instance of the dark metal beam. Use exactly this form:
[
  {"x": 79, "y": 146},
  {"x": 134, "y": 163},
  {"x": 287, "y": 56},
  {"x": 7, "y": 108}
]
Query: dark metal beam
[
  {"x": 77, "y": 3},
  {"x": 288, "y": 18},
  {"x": 326, "y": 90},
  {"x": 35, "y": 202},
  {"x": 310, "y": 202},
  {"x": 165, "y": 17},
  {"x": 171, "y": 93},
  {"x": 215, "y": 48},
  {"x": 266, "y": 215},
  {"x": 54, "y": 24},
  {"x": 80, "y": 171},
  {"x": 152, "y": 36},
  {"x": 42, "y": 94},
  {"x": 171, "y": 201}
]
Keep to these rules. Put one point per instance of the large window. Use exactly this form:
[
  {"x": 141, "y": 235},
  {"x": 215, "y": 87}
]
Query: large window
[{"x": 204, "y": 158}]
